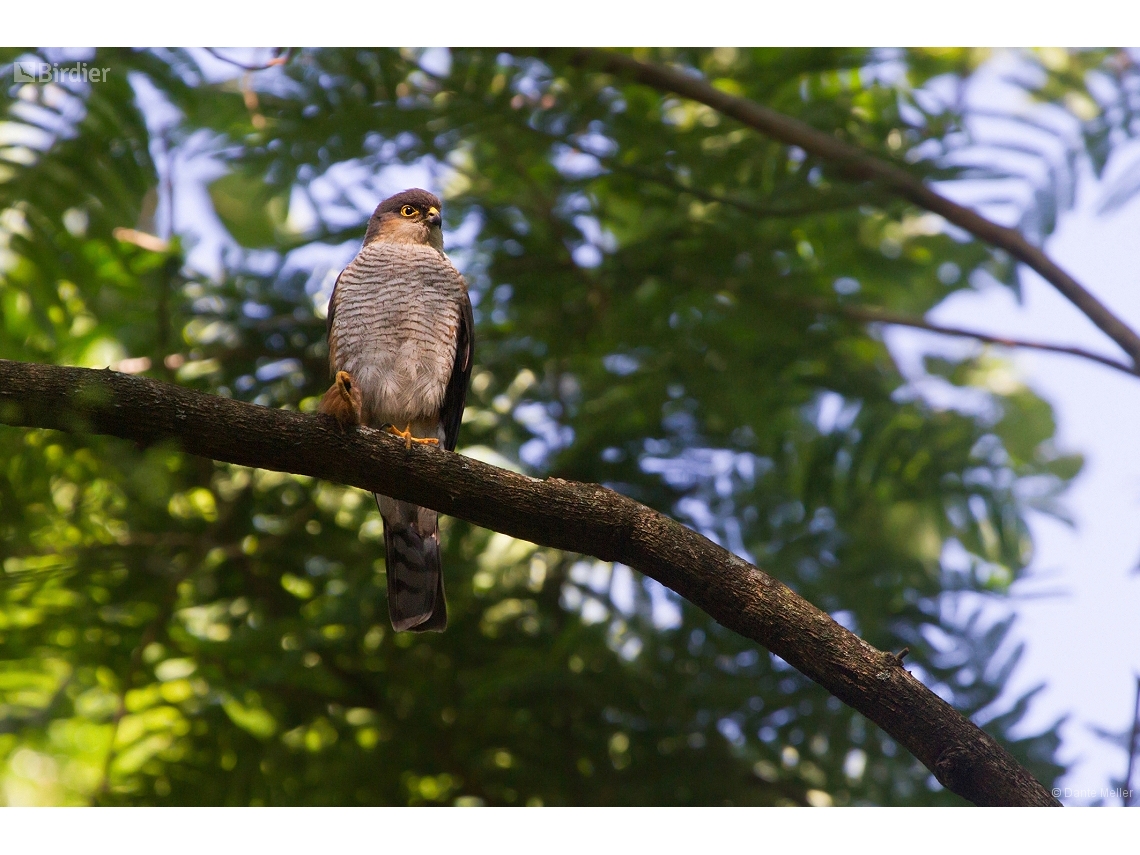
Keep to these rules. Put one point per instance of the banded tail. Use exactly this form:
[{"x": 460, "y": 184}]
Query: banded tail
[{"x": 415, "y": 578}]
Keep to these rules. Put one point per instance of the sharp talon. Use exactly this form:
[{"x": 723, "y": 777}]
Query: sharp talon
[{"x": 406, "y": 435}]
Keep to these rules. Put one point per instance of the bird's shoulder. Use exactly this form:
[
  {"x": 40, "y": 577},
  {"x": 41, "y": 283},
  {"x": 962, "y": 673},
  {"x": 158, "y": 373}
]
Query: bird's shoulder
[
  {"x": 380, "y": 250},
  {"x": 387, "y": 259}
]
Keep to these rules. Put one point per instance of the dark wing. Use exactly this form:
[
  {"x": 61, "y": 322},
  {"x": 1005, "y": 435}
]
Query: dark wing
[
  {"x": 455, "y": 398},
  {"x": 329, "y": 325}
]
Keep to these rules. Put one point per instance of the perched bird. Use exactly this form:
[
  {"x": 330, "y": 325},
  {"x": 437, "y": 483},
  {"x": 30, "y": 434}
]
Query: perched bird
[{"x": 401, "y": 342}]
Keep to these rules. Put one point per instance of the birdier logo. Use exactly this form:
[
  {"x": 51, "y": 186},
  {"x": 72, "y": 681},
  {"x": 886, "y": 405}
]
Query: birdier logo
[{"x": 42, "y": 72}]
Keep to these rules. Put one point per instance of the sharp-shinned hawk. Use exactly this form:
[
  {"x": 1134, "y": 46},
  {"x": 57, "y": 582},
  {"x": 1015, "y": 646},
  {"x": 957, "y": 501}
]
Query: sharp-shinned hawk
[{"x": 401, "y": 342}]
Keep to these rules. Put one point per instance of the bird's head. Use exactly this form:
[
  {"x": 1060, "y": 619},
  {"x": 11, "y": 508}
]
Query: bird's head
[{"x": 411, "y": 216}]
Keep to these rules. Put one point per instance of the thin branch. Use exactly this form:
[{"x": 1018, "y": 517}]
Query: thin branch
[
  {"x": 872, "y": 314},
  {"x": 858, "y": 165},
  {"x": 1133, "y": 747},
  {"x": 584, "y": 518},
  {"x": 146, "y": 241},
  {"x": 280, "y": 59},
  {"x": 826, "y": 206}
]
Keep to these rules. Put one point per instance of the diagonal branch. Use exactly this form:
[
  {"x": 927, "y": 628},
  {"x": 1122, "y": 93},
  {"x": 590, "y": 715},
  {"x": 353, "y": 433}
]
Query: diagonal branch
[
  {"x": 1133, "y": 747},
  {"x": 279, "y": 58},
  {"x": 577, "y": 517},
  {"x": 859, "y": 165},
  {"x": 872, "y": 314}
]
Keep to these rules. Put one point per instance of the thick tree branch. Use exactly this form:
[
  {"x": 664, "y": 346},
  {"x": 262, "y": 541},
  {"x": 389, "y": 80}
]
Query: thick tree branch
[
  {"x": 577, "y": 517},
  {"x": 859, "y": 165}
]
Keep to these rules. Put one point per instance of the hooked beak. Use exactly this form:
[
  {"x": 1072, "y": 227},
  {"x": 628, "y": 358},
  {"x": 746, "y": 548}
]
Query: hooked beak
[{"x": 433, "y": 216}]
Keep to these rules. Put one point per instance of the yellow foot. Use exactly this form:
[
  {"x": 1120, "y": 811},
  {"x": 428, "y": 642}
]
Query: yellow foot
[
  {"x": 342, "y": 400},
  {"x": 406, "y": 435}
]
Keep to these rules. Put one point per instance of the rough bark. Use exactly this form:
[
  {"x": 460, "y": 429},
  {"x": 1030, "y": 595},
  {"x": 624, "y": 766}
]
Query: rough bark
[{"x": 583, "y": 518}]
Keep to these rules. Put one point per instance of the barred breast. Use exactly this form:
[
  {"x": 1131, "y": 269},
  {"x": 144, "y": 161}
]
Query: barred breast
[{"x": 394, "y": 329}]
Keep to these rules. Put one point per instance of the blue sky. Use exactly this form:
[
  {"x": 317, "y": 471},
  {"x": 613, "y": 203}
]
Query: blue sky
[{"x": 1079, "y": 606}]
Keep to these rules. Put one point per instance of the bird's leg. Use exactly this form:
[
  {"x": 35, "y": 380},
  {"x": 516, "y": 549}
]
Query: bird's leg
[
  {"x": 342, "y": 400},
  {"x": 406, "y": 435},
  {"x": 344, "y": 386}
]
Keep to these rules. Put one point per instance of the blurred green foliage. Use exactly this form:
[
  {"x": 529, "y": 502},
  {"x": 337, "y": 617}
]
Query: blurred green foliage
[{"x": 647, "y": 278}]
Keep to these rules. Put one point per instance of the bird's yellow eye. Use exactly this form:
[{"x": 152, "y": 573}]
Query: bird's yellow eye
[{"x": 408, "y": 211}]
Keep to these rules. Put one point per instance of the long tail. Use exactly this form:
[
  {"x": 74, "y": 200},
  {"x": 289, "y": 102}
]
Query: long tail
[{"x": 415, "y": 578}]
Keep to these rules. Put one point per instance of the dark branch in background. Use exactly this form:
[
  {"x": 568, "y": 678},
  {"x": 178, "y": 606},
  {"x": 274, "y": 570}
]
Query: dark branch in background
[
  {"x": 823, "y": 204},
  {"x": 582, "y": 518},
  {"x": 279, "y": 59},
  {"x": 872, "y": 314},
  {"x": 857, "y": 165},
  {"x": 826, "y": 204},
  {"x": 1133, "y": 738}
]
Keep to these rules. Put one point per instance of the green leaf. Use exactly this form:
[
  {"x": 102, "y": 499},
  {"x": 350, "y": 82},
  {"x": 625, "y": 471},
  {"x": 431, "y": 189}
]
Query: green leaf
[{"x": 251, "y": 211}]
